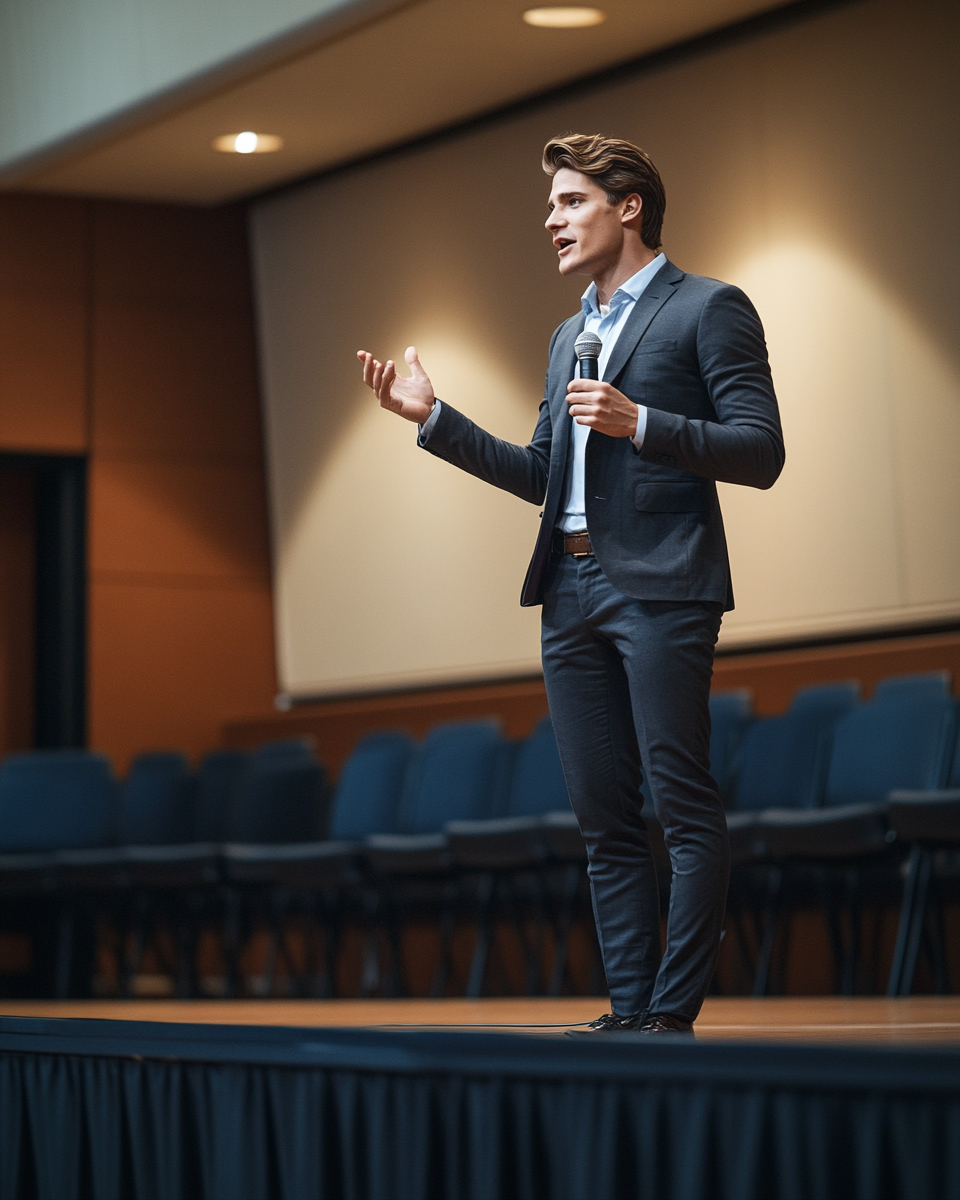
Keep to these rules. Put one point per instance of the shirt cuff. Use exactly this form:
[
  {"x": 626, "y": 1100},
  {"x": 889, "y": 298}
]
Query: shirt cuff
[
  {"x": 427, "y": 427},
  {"x": 638, "y": 437}
]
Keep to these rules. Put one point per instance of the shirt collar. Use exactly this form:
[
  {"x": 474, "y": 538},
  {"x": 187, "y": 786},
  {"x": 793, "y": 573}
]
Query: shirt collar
[{"x": 628, "y": 291}]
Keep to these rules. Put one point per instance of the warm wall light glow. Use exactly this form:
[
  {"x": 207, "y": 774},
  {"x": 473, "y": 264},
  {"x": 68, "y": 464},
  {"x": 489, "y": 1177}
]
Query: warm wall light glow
[
  {"x": 247, "y": 142},
  {"x": 565, "y": 17}
]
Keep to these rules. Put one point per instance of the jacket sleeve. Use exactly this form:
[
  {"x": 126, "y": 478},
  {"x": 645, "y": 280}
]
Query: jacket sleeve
[
  {"x": 521, "y": 470},
  {"x": 745, "y": 444}
]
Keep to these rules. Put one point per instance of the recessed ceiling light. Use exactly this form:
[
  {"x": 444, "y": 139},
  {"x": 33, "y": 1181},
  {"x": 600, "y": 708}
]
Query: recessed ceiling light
[
  {"x": 247, "y": 143},
  {"x": 565, "y": 17}
]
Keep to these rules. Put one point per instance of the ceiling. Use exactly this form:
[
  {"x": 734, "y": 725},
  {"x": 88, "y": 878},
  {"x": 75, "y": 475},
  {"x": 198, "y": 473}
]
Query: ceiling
[{"x": 415, "y": 70}]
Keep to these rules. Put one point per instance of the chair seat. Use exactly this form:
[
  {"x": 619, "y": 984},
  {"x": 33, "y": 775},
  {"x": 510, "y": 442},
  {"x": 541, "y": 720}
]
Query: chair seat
[
  {"x": 504, "y": 844},
  {"x": 303, "y": 866},
  {"x": 745, "y": 845},
  {"x": 101, "y": 868},
  {"x": 562, "y": 836},
  {"x": 28, "y": 873},
  {"x": 844, "y": 831},
  {"x": 932, "y": 817},
  {"x": 408, "y": 853},
  {"x": 175, "y": 868}
]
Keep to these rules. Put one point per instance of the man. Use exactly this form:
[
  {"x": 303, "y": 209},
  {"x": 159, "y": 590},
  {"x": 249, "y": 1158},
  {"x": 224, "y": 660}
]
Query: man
[{"x": 630, "y": 564}]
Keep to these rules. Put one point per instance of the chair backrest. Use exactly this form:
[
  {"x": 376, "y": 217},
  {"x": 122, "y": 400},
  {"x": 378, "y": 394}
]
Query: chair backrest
[
  {"x": 537, "y": 784},
  {"x": 455, "y": 775},
  {"x": 368, "y": 793},
  {"x": 217, "y": 783},
  {"x": 900, "y": 689},
  {"x": 878, "y": 748},
  {"x": 285, "y": 753},
  {"x": 153, "y": 801},
  {"x": 288, "y": 802},
  {"x": 56, "y": 800},
  {"x": 953, "y": 778},
  {"x": 782, "y": 761},
  {"x": 832, "y": 699},
  {"x": 730, "y": 715}
]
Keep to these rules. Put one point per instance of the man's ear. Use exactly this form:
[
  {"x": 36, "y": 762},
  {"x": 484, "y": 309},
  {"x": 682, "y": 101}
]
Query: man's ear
[{"x": 632, "y": 211}]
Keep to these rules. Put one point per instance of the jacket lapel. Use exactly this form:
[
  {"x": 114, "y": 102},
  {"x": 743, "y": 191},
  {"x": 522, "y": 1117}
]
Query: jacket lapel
[
  {"x": 562, "y": 364},
  {"x": 657, "y": 293}
]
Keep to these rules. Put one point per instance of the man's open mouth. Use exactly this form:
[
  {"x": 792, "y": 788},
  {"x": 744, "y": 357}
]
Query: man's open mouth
[{"x": 563, "y": 243}]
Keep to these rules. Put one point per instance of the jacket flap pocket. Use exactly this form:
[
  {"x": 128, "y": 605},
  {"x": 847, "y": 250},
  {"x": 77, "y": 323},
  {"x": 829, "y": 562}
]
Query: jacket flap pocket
[
  {"x": 645, "y": 347},
  {"x": 669, "y": 497}
]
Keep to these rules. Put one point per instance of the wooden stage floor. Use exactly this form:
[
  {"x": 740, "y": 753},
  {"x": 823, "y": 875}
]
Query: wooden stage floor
[{"x": 925, "y": 1020}]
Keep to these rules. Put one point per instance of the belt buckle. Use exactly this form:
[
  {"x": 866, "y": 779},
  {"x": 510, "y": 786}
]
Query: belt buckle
[{"x": 588, "y": 553}]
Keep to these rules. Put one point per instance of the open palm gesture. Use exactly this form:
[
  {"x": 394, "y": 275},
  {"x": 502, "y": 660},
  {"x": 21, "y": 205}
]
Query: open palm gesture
[{"x": 411, "y": 397}]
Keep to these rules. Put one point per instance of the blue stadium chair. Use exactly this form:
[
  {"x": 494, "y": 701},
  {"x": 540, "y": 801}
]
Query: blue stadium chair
[
  {"x": 510, "y": 850},
  {"x": 456, "y": 774},
  {"x": 782, "y": 765},
  {"x": 56, "y": 799},
  {"x": 154, "y": 800},
  {"x": 876, "y": 748},
  {"x": 898, "y": 689},
  {"x": 164, "y": 884},
  {"x": 312, "y": 877},
  {"x": 928, "y": 822},
  {"x": 52, "y": 801},
  {"x": 278, "y": 801},
  {"x": 731, "y": 713},
  {"x": 219, "y": 776},
  {"x": 289, "y": 752}
]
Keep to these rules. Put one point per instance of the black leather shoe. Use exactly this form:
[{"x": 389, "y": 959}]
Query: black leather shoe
[
  {"x": 609, "y": 1023},
  {"x": 664, "y": 1023}
]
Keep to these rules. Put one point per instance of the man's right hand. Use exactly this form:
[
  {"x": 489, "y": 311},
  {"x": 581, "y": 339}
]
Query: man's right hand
[{"x": 411, "y": 398}]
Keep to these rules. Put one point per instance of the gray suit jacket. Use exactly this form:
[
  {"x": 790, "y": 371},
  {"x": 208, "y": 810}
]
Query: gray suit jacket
[{"x": 693, "y": 352}]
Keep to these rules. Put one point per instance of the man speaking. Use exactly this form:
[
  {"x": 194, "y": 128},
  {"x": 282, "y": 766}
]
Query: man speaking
[{"x": 630, "y": 564}]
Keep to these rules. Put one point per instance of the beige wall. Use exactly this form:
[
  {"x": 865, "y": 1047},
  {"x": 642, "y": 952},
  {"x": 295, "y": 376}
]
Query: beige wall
[{"x": 816, "y": 166}]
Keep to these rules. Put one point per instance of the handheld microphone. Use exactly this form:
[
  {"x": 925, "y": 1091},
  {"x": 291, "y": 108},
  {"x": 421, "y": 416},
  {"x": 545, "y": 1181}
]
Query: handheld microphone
[{"x": 587, "y": 348}]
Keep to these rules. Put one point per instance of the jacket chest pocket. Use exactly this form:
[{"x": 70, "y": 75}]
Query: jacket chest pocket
[{"x": 668, "y": 496}]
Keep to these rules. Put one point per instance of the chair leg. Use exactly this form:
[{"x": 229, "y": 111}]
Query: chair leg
[
  {"x": 323, "y": 981},
  {"x": 770, "y": 920},
  {"x": 371, "y": 971},
  {"x": 917, "y": 922},
  {"x": 486, "y": 897},
  {"x": 66, "y": 932},
  {"x": 569, "y": 891},
  {"x": 907, "y": 905},
  {"x": 447, "y": 925},
  {"x": 937, "y": 950},
  {"x": 528, "y": 953}
]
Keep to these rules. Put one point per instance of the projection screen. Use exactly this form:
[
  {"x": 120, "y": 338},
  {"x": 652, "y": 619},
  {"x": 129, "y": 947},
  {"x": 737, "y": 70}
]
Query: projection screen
[{"x": 392, "y": 569}]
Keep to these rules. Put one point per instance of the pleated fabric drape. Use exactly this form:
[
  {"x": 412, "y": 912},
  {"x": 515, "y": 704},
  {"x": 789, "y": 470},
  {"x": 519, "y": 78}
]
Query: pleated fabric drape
[{"x": 534, "y": 1124}]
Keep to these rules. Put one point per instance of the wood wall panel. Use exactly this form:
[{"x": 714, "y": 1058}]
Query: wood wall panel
[
  {"x": 181, "y": 631},
  {"x": 43, "y": 324},
  {"x": 172, "y": 253},
  {"x": 168, "y": 664},
  {"x": 337, "y": 725},
  {"x": 16, "y": 608},
  {"x": 179, "y": 379},
  {"x": 199, "y": 517}
]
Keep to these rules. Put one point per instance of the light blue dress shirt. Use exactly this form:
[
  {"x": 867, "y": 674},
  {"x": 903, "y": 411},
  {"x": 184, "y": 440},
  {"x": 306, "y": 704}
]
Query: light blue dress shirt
[{"x": 607, "y": 322}]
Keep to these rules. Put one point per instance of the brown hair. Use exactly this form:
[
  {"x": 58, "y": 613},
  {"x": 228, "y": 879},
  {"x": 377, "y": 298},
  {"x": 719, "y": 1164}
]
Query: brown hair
[{"x": 620, "y": 168}]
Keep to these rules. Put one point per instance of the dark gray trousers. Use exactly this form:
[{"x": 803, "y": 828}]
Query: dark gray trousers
[{"x": 628, "y": 682}]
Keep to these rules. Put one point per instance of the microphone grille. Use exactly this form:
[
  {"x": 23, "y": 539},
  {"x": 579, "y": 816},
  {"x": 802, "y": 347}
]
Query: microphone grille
[{"x": 588, "y": 345}]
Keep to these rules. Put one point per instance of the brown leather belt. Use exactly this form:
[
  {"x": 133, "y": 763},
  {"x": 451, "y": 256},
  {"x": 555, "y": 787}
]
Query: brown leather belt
[{"x": 577, "y": 544}]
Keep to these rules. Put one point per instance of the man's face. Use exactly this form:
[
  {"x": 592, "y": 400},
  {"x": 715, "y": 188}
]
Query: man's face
[{"x": 587, "y": 230}]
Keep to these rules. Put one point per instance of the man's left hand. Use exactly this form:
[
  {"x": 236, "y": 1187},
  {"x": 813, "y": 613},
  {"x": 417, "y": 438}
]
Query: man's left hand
[{"x": 602, "y": 407}]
